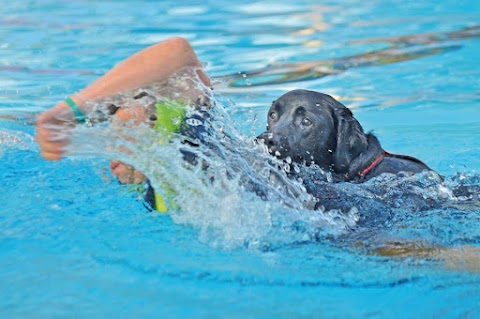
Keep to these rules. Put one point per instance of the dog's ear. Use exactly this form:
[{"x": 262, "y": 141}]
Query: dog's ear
[{"x": 351, "y": 140}]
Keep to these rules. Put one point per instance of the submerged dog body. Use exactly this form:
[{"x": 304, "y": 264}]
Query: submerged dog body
[{"x": 313, "y": 128}]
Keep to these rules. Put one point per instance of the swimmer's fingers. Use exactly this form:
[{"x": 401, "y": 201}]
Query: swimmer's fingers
[
  {"x": 51, "y": 146},
  {"x": 52, "y": 130},
  {"x": 138, "y": 177},
  {"x": 126, "y": 174},
  {"x": 52, "y": 152}
]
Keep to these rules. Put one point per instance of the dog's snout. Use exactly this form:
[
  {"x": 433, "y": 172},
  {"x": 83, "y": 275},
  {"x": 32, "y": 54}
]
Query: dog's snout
[
  {"x": 276, "y": 144},
  {"x": 262, "y": 138},
  {"x": 269, "y": 139}
]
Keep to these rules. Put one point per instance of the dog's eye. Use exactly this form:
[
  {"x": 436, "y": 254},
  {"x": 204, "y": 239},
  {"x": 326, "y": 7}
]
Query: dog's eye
[
  {"x": 306, "y": 121},
  {"x": 273, "y": 115}
]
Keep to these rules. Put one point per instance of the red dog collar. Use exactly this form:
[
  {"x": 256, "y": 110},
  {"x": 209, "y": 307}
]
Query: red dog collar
[
  {"x": 382, "y": 156},
  {"x": 374, "y": 163}
]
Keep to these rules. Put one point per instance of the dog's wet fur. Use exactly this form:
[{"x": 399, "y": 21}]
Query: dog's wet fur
[{"x": 313, "y": 128}]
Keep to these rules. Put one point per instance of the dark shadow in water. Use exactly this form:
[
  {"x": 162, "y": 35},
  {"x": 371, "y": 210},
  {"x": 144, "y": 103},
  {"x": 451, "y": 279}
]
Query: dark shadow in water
[{"x": 403, "y": 48}]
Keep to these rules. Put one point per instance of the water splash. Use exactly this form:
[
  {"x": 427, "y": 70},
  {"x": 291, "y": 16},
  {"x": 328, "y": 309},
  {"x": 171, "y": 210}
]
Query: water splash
[
  {"x": 235, "y": 193},
  {"x": 15, "y": 139}
]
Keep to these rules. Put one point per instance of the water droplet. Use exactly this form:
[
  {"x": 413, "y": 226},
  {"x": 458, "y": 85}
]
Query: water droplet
[{"x": 329, "y": 178}]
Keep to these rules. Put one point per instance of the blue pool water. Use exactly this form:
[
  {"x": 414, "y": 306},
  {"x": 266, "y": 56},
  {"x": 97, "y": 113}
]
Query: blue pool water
[{"x": 75, "y": 243}]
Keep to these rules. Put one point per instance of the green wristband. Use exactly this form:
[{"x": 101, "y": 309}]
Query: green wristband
[{"x": 79, "y": 116}]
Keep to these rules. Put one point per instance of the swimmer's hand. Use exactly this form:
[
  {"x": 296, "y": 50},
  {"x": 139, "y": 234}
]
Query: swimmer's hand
[
  {"x": 53, "y": 128},
  {"x": 126, "y": 174},
  {"x": 128, "y": 117}
]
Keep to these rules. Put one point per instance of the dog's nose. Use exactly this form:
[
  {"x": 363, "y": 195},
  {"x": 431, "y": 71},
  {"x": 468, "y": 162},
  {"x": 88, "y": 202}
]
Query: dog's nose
[
  {"x": 262, "y": 138},
  {"x": 267, "y": 138}
]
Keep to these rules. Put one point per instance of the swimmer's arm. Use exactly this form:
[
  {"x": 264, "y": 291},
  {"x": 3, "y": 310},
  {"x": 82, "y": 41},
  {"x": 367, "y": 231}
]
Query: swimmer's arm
[{"x": 153, "y": 64}]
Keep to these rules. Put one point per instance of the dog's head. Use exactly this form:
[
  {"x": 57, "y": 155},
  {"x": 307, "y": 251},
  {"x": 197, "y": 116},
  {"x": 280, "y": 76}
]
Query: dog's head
[{"x": 312, "y": 127}]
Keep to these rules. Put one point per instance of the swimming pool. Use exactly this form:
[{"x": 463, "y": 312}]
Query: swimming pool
[{"x": 74, "y": 243}]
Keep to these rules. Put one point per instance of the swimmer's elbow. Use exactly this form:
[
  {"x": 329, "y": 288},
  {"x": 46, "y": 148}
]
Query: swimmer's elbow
[
  {"x": 182, "y": 50},
  {"x": 180, "y": 43},
  {"x": 178, "y": 46}
]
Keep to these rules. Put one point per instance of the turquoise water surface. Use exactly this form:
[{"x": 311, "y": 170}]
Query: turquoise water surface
[{"x": 75, "y": 243}]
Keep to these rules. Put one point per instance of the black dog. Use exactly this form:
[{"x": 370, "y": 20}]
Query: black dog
[{"x": 313, "y": 128}]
